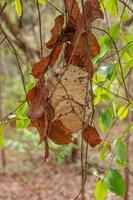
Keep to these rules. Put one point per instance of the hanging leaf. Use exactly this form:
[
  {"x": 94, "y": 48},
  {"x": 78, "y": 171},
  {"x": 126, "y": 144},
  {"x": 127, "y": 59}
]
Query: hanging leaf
[
  {"x": 18, "y": 7},
  {"x": 2, "y": 131},
  {"x": 91, "y": 136},
  {"x": 120, "y": 152},
  {"x": 107, "y": 117},
  {"x": 22, "y": 120},
  {"x": 104, "y": 150},
  {"x": 100, "y": 190},
  {"x": 112, "y": 7},
  {"x": 82, "y": 47},
  {"x": 115, "y": 182},
  {"x": 122, "y": 112}
]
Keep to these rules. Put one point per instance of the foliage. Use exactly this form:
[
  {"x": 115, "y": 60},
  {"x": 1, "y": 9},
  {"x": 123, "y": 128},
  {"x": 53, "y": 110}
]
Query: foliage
[
  {"x": 115, "y": 182},
  {"x": 101, "y": 60}
]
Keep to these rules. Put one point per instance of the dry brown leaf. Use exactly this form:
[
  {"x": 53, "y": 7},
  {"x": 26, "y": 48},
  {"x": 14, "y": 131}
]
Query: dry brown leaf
[
  {"x": 38, "y": 96},
  {"x": 91, "y": 136},
  {"x": 59, "y": 134}
]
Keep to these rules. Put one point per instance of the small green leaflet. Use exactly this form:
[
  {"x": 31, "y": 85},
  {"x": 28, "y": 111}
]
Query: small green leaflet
[
  {"x": 18, "y": 7},
  {"x": 115, "y": 182},
  {"x": 41, "y": 1},
  {"x": 2, "y": 131},
  {"x": 122, "y": 112},
  {"x": 100, "y": 190},
  {"x": 22, "y": 121},
  {"x": 127, "y": 130},
  {"x": 104, "y": 151},
  {"x": 112, "y": 7},
  {"x": 120, "y": 152}
]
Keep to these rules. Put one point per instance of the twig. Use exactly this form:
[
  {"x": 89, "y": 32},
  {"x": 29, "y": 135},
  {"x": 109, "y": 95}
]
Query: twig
[
  {"x": 40, "y": 30},
  {"x": 3, "y": 7},
  {"x": 2, "y": 40},
  {"x": 126, "y": 5}
]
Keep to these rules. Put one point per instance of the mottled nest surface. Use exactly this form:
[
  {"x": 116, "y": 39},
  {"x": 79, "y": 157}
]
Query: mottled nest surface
[{"x": 69, "y": 96}]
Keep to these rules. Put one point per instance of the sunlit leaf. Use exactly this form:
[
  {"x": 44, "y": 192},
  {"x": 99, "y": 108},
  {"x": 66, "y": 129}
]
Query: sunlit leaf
[
  {"x": 122, "y": 112},
  {"x": 22, "y": 120},
  {"x": 100, "y": 190},
  {"x": 112, "y": 7},
  {"x": 18, "y": 7},
  {"x": 104, "y": 150},
  {"x": 41, "y": 1},
  {"x": 2, "y": 131}
]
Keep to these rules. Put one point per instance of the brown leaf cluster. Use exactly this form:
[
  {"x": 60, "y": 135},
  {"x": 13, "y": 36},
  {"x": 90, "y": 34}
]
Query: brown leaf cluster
[
  {"x": 80, "y": 43},
  {"x": 80, "y": 46}
]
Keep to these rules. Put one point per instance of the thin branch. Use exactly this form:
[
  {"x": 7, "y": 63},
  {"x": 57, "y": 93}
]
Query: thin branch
[
  {"x": 7, "y": 117},
  {"x": 2, "y": 40},
  {"x": 119, "y": 50},
  {"x": 130, "y": 9},
  {"x": 40, "y": 30},
  {"x": 2, "y": 9},
  {"x": 55, "y": 7}
]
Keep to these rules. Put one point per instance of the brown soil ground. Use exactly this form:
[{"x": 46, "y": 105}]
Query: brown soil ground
[{"x": 35, "y": 180}]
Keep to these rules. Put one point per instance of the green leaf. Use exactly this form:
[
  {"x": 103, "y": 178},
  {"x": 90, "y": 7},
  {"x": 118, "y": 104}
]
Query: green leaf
[
  {"x": 122, "y": 112},
  {"x": 100, "y": 190},
  {"x": 115, "y": 182},
  {"x": 106, "y": 117},
  {"x": 112, "y": 7},
  {"x": 41, "y": 1},
  {"x": 104, "y": 151},
  {"x": 18, "y": 7},
  {"x": 2, "y": 131},
  {"x": 127, "y": 130},
  {"x": 111, "y": 71},
  {"x": 120, "y": 152},
  {"x": 22, "y": 121}
]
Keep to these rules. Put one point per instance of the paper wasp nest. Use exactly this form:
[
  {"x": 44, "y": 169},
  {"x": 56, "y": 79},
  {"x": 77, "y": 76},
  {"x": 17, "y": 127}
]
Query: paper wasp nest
[{"x": 69, "y": 96}]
